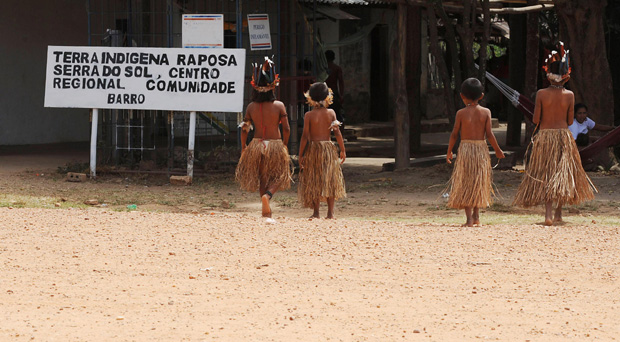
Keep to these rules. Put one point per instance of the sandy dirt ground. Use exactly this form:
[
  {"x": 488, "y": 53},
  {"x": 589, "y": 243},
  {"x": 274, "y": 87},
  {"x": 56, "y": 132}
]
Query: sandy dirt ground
[{"x": 199, "y": 264}]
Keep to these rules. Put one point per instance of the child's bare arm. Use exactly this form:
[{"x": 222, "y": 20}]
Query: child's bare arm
[
  {"x": 245, "y": 128},
  {"x": 489, "y": 132},
  {"x": 537, "y": 108},
  {"x": 453, "y": 136},
  {"x": 304, "y": 138},
  {"x": 571, "y": 110},
  {"x": 338, "y": 135},
  {"x": 286, "y": 128}
]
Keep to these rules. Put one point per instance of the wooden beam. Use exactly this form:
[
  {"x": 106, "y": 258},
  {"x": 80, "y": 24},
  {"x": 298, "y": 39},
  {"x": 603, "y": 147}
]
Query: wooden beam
[
  {"x": 506, "y": 10},
  {"x": 522, "y": 10}
]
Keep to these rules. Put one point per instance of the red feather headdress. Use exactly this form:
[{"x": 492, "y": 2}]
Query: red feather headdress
[
  {"x": 264, "y": 74},
  {"x": 564, "y": 59}
]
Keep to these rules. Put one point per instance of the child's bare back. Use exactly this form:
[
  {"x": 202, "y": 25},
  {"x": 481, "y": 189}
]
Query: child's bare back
[
  {"x": 266, "y": 117},
  {"x": 474, "y": 122},
  {"x": 317, "y": 124},
  {"x": 554, "y": 108}
]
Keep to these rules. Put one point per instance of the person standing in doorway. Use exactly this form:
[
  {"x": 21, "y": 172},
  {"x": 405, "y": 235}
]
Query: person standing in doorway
[{"x": 335, "y": 82}]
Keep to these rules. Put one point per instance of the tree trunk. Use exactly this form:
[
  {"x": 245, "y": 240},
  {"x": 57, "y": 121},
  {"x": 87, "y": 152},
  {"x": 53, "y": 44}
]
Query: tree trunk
[
  {"x": 467, "y": 32},
  {"x": 484, "y": 43},
  {"x": 401, "y": 115},
  {"x": 452, "y": 97},
  {"x": 583, "y": 34},
  {"x": 441, "y": 63},
  {"x": 414, "y": 69}
]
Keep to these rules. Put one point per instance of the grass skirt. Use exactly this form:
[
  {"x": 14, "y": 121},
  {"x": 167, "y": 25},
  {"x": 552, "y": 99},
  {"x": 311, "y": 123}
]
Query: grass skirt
[
  {"x": 471, "y": 184},
  {"x": 267, "y": 161},
  {"x": 321, "y": 176},
  {"x": 554, "y": 172}
]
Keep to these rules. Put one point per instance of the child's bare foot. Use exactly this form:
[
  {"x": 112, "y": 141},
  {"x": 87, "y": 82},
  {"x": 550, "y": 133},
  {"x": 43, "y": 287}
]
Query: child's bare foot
[
  {"x": 558, "y": 215},
  {"x": 548, "y": 222},
  {"x": 330, "y": 217},
  {"x": 266, "y": 209},
  {"x": 315, "y": 215},
  {"x": 476, "y": 217}
]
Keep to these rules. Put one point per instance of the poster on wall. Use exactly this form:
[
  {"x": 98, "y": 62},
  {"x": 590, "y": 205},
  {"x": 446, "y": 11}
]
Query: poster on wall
[
  {"x": 203, "y": 31},
  {"x": 145, "y": 78},
  {"x": 258, "y": 27}
]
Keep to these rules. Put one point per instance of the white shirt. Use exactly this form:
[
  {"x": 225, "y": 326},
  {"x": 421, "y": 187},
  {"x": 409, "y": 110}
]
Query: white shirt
[{"x": 581, "y": 128}]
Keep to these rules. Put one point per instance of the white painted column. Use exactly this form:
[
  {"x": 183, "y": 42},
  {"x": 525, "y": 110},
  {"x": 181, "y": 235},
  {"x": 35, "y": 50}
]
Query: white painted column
[
  {"x": 190, "y": 147},
  {"x": 93, "y": 143}
]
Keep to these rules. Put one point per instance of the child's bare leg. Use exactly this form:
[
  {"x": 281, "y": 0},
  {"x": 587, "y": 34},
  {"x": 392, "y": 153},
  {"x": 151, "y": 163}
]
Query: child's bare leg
[
  {"x": 266, "y": 210},
  {"x": 330, "y": 207},
  {"x": 558, "y": 213},
  {"x": 476, "y": 215},
  {"x": 470, "y": 219},
  {"x": 265, "y": 198},
  {"x": 548, "y": 210},
  {"x": 316, "y": 206}
]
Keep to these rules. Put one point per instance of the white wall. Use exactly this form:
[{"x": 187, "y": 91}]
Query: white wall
[{"x": 27, "y": 28}]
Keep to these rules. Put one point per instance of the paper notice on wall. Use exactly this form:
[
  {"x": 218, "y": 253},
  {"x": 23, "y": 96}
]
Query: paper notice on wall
[
  {"x": 203, "y": 31},
  {"x": 258, "y": 27}
]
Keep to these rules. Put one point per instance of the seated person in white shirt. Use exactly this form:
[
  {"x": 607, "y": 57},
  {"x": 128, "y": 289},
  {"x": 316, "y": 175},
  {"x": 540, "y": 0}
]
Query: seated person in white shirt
[{"x": 583, "y": 124}]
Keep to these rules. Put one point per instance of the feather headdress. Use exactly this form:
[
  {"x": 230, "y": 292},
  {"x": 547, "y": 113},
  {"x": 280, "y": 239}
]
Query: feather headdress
[
  {"x": 563, "y": 59},
  {"x": 264, "y": 77},
  {"x": 319, "y": 95}
]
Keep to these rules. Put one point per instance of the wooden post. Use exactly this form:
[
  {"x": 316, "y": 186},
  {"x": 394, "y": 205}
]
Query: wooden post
[
  {"x": 401, "y": 115},
  {"x": 414, "y": 60},
  {"x": 517, "y": 73},
  {"x": 531, "y": 63}
]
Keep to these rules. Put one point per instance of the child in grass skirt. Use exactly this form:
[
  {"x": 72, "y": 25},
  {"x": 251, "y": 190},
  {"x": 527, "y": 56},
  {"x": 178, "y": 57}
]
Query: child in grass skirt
[
  {"x": 471, "y": 184},
  {"x": 320, "y": 178},
  {"x": 554, "y": 172},
  {"x": 265, "y": 165}
]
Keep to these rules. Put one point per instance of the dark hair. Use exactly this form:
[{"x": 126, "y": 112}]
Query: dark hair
[
  {"x": 554, "y": 67},
  {"x": 330, "y": 55},
  {"x": 318, "y": 91},
  {"x": 258, "y": 96},
  {"x": 580, "y": 105},
  {"x": 471, "y": 88}
]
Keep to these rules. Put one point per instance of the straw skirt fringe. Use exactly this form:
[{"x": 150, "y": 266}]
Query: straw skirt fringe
[
  {"x": 321, "y": 176},
  {"x": 268, "y": 158},
  {"x": 471, "y": 184},
  {"x": 554, "y": 172}
]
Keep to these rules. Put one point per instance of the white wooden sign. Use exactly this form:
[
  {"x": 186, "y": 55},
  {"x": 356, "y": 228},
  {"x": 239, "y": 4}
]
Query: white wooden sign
[
  {"x": 203, "y": 31},
  {"x": 258, "y": 27},
  {"x": 145, "y": 78}
]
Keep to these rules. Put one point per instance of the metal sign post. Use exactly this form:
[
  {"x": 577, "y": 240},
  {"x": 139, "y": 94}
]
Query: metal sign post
[
  {"x": 93, "y": 143},
  {"x": 190, "y": 145}
]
